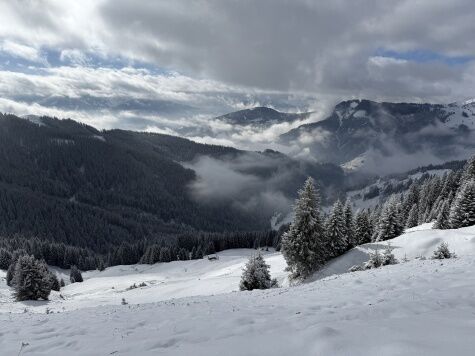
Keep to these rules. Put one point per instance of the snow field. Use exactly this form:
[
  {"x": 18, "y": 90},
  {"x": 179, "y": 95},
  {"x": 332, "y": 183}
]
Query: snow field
[{"x": 420, "y": 307}]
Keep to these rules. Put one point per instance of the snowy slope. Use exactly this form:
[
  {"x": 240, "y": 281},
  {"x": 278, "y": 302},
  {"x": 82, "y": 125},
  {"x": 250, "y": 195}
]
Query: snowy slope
[
  {"x": 420, "y": 307},
  {"x": 415, "y": 308},
  {"x": 164, "y": 281},
  {"x": 416, "y": 242}
]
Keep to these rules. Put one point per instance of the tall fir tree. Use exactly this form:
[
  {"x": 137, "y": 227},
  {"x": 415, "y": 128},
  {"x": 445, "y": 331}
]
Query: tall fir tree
[
  {"x": 469, "y": 170},
  {"x": 411, "y": 199},
  {"x": 349, "y": 226},
  {"x": 335, "y": 231},
  {"x": 390, "y": 224},
  {"x": 303, "y": 244},
  {"x": 363, "y": 230},
  {"x": 462, "y": 212},
  {"x": 374, "y": 220},
  {"x": 412, "y": 217},
  {"x": 5, "y": 259},
  {"x": 443, "y": 218},
  {"x": 32, "y": 279}
]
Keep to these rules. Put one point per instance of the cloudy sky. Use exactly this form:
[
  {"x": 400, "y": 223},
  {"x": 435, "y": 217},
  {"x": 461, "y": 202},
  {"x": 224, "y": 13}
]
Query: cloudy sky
[{"x": 162, "y": 65}]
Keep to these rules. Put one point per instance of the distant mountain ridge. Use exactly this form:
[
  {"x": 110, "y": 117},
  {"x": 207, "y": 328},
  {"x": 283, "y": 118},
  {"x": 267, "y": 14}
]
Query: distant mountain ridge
[
  {"x": 261, "y": 116},
  {"x": 363, "y": 134}
]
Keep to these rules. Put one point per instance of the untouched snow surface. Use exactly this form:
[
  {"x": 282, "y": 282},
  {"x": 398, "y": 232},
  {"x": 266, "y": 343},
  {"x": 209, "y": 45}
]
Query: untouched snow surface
[
  {"x": 164, "y": 281},
  {"x": 420, "y": 307}
]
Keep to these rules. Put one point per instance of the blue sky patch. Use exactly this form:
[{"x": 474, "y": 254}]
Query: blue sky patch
[{"x": 425, "y": 56}]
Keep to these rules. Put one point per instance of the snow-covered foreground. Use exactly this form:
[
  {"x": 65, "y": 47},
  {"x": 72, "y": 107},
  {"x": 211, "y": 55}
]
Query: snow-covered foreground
[
  {"x": 164, "y": 281},
  {"x": 420, "y": 307}
]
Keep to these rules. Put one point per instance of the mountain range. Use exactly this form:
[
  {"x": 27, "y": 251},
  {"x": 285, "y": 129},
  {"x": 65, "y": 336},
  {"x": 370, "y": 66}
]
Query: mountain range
[
  {"x": 66, "y": 181},
  {"x": 388, "y": 137}
]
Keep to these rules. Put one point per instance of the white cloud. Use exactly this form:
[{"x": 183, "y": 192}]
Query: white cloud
[
  {"x": 74, "y": 56},
  {"x": 22, "y": 51},
  {"x": 226, "y": 56}
]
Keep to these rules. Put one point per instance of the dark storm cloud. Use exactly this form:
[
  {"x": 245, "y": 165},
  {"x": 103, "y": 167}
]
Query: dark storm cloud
[{"x": 318, "y": 46}]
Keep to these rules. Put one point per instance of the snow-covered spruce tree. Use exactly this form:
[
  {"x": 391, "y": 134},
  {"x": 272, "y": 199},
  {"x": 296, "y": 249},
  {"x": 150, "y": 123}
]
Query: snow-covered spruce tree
[
  {"x": 390, "y": 225},
  {"x": 256, "y": 274},
  {"x": 335, "y": 231},
  {"x": 375, "y": 260},
  {"x": 31, "y": 279},
  {"x": 5, "y": 259},
  {"x": 412, "y": 217},
  {"x": 443, "y": 252},
  {"x": 54, "y": 282},
  {"x": 388, "y": 256},
  {"x": 75, "y": 275},
  {"x": 462, "y": 211},
  {"x": 363, "y": 230},
  {"x": 303, "y": 244},
  {"x": 411, "y": 199},
  {"x": 11, "y": 269},
  {"x": 443, "y": 219},
  {"x": 350, "y": 235},
  {"x": 469, "y": 170},
  {"x": 374, "y": 220},
  {"x": 10, "y": 274}
]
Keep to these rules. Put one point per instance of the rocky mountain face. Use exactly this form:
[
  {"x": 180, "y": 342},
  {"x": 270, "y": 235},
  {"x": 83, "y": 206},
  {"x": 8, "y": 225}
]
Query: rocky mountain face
[{"x": 388, "y": 137}]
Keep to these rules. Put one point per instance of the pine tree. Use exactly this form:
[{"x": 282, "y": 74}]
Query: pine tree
[
  {"x": 11, "y": 269},
  {"x": 350, "y": 235},
  {"x": 199, "y": 253},
  {"x": 193, "y": 253},
  {"x": 183, "y": 254},
  {"x": 443, "y": 252},
  {"x": 462, "y": 212},
  {"x": 256, "y": 274},
  {"x": 388, "y": 256},
  {"x": 412, "y": 217},
  {"x": 363, "y": 231},
  {"x": 10, "y": 274},
  {"x": 443, "y": 218},
  {"x": 335, "y": 231},
  {"x": 390, "y": 225},
  {"x": 75, "y": 275},
  {"x": 303, "y": 245},
  {"x": 411, "y": 199},
  {"x": 165, "y": 255},
  {"x": 374, "y": 220},
  {"x": 54, "y": 282},
  {"x": 469, "y": 170},
  {"x": 32, "y": 279},
  {"x": 375, "y": 260},
  {"x": 5, "y": 259}
]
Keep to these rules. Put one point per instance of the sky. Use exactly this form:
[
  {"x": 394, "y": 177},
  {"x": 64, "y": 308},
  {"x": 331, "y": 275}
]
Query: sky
[{"x": 164, "y": 65}]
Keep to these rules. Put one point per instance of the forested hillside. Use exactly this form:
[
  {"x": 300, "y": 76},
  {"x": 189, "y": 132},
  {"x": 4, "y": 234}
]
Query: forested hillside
[{"x": 66, "y": 182}]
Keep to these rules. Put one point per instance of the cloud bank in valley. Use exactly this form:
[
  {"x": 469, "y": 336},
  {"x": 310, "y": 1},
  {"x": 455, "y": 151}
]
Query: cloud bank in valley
[{"x": 250, "y": 182}]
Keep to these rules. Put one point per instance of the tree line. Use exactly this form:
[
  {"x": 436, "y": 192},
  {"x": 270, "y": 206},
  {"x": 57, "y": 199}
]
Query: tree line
[{"x": 314, "y": 237}]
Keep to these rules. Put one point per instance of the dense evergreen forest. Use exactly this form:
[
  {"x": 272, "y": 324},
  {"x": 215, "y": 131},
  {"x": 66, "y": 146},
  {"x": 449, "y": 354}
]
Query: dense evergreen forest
[{"x": 72, "y": 194}]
